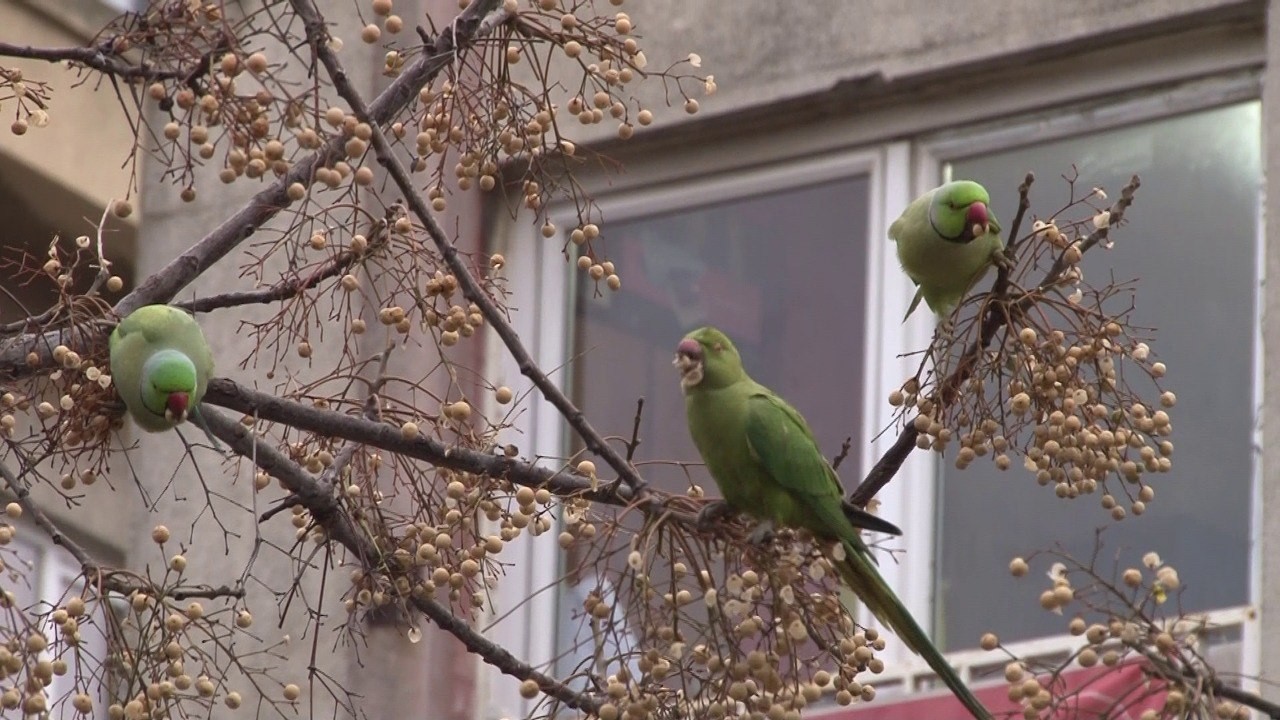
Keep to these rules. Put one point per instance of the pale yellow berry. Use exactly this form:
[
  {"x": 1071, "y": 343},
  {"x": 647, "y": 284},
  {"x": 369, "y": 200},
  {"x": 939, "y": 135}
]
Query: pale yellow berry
[{"x": 503, "y": 395}]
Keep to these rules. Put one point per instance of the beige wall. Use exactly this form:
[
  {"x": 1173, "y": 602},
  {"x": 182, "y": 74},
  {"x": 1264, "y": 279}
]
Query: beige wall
[
  {"x": 85, "y": 144},
  {"x": 762, "y": 52}
]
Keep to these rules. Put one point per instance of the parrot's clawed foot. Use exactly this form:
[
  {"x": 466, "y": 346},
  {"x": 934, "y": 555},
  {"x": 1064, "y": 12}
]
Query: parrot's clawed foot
[
  {"x": 763, "y": 534},
  {"x": 712, "y": 512},
  {"x": 945, "y": 327},
  {"x": 1002, "y": 260}
]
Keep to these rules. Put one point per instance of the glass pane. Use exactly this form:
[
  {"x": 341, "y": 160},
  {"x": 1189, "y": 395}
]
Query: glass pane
[
  {"x": 1192, "y": 241},
  {"x": 782, "y": 274}
]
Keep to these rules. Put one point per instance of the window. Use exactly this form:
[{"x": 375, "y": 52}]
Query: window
[{"x": 1192, "y": 240}]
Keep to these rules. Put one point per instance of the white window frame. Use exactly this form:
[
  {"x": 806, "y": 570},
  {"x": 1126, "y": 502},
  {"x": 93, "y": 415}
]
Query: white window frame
[{"x": 543, "y": 281}]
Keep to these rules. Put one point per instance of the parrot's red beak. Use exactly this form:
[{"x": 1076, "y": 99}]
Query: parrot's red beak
[
  {"x": 689, "y": 362},
  {"x": 690, "y": 348},
  {"x": 176, "y": 406},
  {"x": 978, "y": 215}
]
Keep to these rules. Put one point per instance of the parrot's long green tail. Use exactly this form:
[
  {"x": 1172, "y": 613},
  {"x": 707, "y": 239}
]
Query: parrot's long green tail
[{"x": 860, "y": 574}]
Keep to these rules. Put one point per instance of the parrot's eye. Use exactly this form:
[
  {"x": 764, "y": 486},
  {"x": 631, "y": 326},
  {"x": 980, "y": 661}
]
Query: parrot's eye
[{"x": 718, "y": 347}]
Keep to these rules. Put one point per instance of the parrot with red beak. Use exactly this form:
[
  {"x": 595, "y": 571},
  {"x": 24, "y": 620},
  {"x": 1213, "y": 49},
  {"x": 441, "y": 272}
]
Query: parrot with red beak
[
  {"x": 947, "y": 240},
  {"x": 764, "y": 459},
  {"x": 160, "y": 365}
]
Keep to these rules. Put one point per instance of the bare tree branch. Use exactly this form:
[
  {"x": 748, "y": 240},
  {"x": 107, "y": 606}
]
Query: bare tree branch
[
  {"x": 319, "y": 499},
  {"x": 98, "y": 58},
  {"x": 93, "y": 570},
  {"x": 165, "y": 284},
  {"x": 471, "y": 289},
  {"x": 356, "y": 428}
]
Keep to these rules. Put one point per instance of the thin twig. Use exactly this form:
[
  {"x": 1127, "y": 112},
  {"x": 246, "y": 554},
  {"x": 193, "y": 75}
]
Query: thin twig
[
  {"x": 845, "y": 447},
  {"x": 285, "y": 289},
  {"x": 634, "y": 442}
]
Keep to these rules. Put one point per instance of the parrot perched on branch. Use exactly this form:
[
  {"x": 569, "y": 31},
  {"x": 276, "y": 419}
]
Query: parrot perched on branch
[
  {"x": 766, "y": 463},
  {"x": 947, "y": 239},
  {"x": 160, "y": 365}
]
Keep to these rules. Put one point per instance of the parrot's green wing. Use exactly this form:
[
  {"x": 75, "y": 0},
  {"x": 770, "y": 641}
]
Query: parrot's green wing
[{"x": 780, "y": 440}]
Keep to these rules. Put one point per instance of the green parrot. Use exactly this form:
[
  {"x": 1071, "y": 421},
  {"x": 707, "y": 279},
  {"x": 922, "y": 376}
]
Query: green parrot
[
  {"x": 160, "y": 365},
  {"x": 766, "y": 463},
  {"x": 947, "y": 239}
]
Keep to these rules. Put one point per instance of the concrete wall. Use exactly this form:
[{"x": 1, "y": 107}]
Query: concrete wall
[
  {"x": 763, "y": 52},
  {"x": 1267, "y": 581}
]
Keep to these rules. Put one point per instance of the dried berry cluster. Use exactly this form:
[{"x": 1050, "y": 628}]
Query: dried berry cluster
[
  {"x": 1129, "y": 625},
  {"x": 1058, "y": 384}
]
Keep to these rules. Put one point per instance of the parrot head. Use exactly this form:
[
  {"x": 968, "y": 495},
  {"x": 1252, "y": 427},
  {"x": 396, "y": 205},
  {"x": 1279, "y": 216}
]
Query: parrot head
[
  {"x": 707, "y": 358},
  {"x": 168, "y": 383},
  {"x": 959, "y": 212}
]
